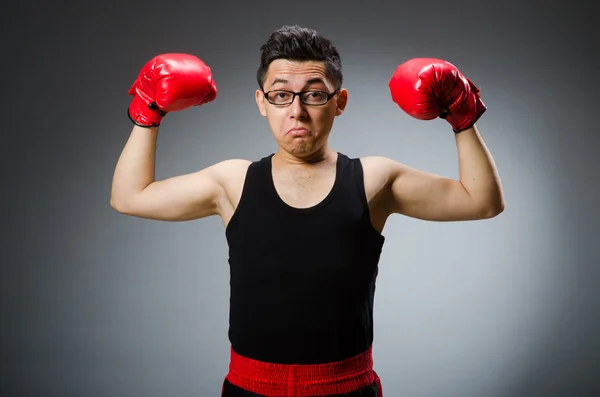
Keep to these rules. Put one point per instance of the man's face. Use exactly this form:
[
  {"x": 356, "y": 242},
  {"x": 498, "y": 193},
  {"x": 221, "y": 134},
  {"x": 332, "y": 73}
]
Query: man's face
[{"x": 300, "y": 129}]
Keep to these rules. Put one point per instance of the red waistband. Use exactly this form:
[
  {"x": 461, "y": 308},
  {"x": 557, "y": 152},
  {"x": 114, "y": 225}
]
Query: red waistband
[{"x": 269, "y": 379}]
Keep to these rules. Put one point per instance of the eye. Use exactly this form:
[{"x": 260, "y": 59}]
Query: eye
[
  {"x": 316, "y": 95},
  {"x": 280, "y": 96}
]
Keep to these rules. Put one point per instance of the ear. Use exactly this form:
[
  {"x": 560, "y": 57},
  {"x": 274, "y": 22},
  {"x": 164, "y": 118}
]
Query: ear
[
  {"x": 342, "y": 100},
  {"x": 260, "y": 102}
]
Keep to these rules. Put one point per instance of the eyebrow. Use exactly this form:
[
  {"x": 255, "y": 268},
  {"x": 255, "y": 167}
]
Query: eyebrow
[{"x": 314, "y": 80}]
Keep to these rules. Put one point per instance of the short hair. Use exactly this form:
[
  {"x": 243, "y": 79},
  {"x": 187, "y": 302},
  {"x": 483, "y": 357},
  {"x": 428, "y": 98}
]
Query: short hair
[{"x": 298, "y": 43}]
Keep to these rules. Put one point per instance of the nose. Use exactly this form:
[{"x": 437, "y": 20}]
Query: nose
[{"x": 297, "y": 109}]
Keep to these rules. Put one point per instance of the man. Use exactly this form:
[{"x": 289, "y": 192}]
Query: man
[{"x": 304, "y": 225}]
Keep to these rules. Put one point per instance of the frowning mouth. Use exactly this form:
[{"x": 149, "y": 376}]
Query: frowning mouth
[{"x": 298, "y": 132}]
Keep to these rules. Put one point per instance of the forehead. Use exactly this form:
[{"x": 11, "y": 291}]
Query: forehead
[{"x": 296, "y": 72}]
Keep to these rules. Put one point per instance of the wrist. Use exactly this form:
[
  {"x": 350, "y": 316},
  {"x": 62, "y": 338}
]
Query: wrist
[
  {"x": 462, "y": 114},
  {"x": 145, "y": 114}
]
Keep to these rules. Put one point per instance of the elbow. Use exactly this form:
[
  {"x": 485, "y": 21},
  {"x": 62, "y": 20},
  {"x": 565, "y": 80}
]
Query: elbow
[
  {"x": 498, "y": 206},
  {"x": 493, "y": 205},
  {"x": 493, "y": 211},
  {"x": 117, "y": 205}
]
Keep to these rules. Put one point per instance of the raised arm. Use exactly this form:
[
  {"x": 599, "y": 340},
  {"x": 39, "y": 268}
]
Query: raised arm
[
  {"x": 429, "y": 88},
  {"x": 166, "y": 83},
  {"x": 179, "y": 198},
  {"x": 477, "y": 194}
]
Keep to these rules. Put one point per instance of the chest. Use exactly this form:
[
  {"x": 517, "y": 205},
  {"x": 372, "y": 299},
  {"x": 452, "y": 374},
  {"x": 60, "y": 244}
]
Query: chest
[{"x": 303, "y": 188}]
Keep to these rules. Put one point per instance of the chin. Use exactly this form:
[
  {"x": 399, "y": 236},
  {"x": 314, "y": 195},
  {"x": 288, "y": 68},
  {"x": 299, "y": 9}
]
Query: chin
[
  {"x": 301, "y": 149},
  {"x": 298, "y": 148}
]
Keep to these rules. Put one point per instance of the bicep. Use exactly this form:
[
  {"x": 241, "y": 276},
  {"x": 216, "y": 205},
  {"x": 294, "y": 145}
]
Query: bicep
[
  {"x": 424, "y": 195},
  {"x": 179, "y": 198}
]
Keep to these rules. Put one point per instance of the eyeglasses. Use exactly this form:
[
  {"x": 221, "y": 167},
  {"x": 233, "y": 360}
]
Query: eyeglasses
[{"x": 311, "y": 98}]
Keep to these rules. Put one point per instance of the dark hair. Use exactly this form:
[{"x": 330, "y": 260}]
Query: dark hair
[{"x": 296, "y": 43}]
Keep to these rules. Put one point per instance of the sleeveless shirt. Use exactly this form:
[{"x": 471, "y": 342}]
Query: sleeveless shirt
[{"x": 302, "y": 280}]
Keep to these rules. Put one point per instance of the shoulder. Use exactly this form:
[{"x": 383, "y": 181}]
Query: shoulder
[
  {"x": 232, "y": 165},
  {"x": 230, "y": 170},
  {"x": 379, "y": 174},
  {"x": 381, "y": 168}
]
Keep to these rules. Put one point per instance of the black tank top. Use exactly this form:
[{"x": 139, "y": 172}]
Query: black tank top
[{"x": 302, "y": 280}]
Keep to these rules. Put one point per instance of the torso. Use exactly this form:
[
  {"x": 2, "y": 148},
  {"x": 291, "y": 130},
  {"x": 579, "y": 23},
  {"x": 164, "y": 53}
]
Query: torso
[{"x": 304, "y": 187}]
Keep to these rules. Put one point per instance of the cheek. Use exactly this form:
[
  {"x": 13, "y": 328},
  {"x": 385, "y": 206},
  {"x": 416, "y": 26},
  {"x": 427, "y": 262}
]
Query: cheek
[
  {"x": 323, "y": 118},
  {"x": 276, "y": 121}
]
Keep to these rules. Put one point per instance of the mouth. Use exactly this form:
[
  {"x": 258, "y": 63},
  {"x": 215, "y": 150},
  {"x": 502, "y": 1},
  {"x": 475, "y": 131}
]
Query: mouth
[{"x": 298, "y": 132}]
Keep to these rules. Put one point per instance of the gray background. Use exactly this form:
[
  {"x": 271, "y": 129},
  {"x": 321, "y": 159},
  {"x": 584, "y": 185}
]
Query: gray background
[{"x": 94, "y": 303}]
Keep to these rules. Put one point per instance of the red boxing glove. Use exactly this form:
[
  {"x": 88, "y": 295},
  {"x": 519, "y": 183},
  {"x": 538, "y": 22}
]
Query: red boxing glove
[
  {"x": 167, "y": 83},
  {"x": 427, "y": 88}
]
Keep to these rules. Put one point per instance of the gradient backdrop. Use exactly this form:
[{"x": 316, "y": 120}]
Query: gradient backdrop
[{"x": 95, "y": 303}]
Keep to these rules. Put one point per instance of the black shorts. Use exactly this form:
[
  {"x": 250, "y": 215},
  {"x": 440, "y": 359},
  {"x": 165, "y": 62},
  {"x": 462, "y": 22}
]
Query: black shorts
[{"x": 230, "y": 390}]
